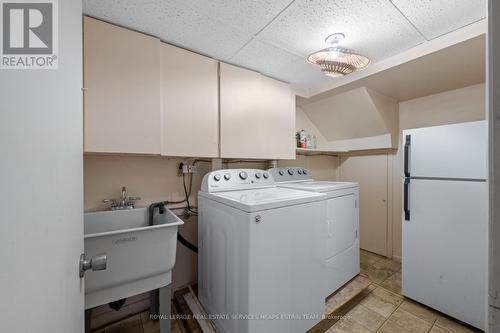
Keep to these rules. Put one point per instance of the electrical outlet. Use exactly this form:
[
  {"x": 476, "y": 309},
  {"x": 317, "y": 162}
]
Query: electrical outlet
[{"x": 186, "y": 168}]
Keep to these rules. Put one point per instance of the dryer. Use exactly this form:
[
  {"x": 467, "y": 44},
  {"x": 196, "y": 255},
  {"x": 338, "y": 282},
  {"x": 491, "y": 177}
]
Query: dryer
[
  {"x": 260, "y": 258},
  {"x": 340, "y": 227}
]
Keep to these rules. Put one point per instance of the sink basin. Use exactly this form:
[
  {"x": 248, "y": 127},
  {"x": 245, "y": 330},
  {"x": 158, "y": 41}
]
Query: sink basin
[{"x": 140, "y": 256}]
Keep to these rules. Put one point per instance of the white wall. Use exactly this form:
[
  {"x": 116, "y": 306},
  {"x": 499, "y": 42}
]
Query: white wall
[
  {"x": 455, "y": 106},
  {"x": 41, "y": 189}
]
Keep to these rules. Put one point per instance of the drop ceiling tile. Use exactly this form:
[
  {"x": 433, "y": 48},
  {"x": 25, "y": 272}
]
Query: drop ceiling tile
[
  {"x": 248, "y": 16},
  {"x": 280, "y": 64},
  {"x": 437, "y": 17},
  {"x": 173, "y": 21},
  {"x": 263, "y": 57},
  {"x": 302, "y": 74},
  {"x": 374, "y": 28}
]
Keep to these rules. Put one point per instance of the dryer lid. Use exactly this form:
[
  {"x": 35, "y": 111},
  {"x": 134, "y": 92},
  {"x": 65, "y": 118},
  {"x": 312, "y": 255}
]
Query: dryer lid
[{"x": 319, "y": 186}]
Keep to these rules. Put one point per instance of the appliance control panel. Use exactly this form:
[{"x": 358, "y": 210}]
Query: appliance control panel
[
  {"x": 236, "y": 179},
  {"x": 290, "y": 174}
]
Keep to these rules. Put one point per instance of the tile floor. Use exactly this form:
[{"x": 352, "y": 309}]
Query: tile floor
[
  {"x": 382, "y": 309},
  {"x": 379, "y": 308}
]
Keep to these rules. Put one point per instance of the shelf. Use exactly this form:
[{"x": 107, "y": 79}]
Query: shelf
[{"x": 310, "y": 152}]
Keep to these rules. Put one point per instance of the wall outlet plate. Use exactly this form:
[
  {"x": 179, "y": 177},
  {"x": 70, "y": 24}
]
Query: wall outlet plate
[{"x": 186, "y": 168}]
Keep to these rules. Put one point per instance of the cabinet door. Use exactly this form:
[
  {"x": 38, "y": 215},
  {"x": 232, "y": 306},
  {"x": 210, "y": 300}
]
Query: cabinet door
[
  {"x": 257, "y": 115},
  {"x": 122, "y": 96},
  {"x": 189, "y": 103}
]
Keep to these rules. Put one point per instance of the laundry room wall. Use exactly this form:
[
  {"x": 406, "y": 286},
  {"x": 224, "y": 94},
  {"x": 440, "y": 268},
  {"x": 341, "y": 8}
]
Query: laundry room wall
[
  {"x": 454, "y": 106},
  {"x": 156, "y": 178}
]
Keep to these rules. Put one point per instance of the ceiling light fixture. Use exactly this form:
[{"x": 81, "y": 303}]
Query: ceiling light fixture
[{"x": 336, "y": 61}]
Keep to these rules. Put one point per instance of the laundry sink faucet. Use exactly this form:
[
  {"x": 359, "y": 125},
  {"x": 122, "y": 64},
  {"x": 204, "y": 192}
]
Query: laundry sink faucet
[{"x": 124, "y": 203}]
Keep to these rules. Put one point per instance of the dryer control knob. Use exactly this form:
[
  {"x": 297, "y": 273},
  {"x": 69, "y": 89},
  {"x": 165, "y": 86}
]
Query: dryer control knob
[
  {"x": 281, "y": 172},
  {"x": 299, "y": 172},
  {"x": 243, "y": 175},
  {"x": 266, "y": 175},
  {"x": 227, "y": 176},
  {"x": 216, "y": 177},
  {"x": 290, "y": 172},
  {"x": 258, "y": 175}
]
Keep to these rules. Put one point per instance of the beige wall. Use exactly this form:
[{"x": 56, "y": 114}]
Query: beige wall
[
  {"x": 373, "y": 172},
  {"x": 455, "y": 106},
  {"x": 322, "y": 167},
  {"x": 155, "y": 178}
]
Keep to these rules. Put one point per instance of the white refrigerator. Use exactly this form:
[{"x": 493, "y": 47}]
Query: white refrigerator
[{"x": 445, "y": 202}]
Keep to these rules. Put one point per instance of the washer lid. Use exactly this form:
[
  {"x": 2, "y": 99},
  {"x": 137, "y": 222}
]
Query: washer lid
[
  {"x": 254, "y": 200},
  {"x": 319, "y": 186}
]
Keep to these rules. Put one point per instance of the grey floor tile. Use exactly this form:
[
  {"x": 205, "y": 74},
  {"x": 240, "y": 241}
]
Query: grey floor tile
[
  {"x": 453, "y": 326},
  {"x": 366, "y": 317},
  {"x": 384, "y": 303},
  {"x": 393, "y": 283},
  {"x": 348, "y": 326},
  {"x": 409, "y": 322},
  {"x": 420, "y": 311}
]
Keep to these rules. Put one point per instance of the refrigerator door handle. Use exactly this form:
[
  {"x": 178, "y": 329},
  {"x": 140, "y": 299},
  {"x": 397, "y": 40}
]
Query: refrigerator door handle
[
  {"x": 407, "y": 156},
  {"x": 405, "y": 199}
]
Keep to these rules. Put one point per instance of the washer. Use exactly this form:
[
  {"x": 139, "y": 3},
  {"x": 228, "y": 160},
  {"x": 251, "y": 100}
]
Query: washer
[
  {"x": 341, "y": 229},
  {"x": 260, "y": 259}
]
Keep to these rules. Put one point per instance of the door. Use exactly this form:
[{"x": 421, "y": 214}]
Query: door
[
  {"x": 449, "y": 151},
  {"x": 370, "y": 171},
  {"x": 341, "y": 217},
  {"x": 41, "y": 192},
  {"x": 445, "y": 246}
]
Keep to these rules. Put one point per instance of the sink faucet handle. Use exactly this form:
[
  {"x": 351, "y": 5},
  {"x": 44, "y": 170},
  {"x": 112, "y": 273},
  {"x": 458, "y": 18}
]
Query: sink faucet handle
[{"x": 113, "y": 201}]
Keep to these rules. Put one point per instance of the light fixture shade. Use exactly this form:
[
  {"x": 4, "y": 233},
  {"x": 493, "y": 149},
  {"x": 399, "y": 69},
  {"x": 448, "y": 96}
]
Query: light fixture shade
[{"x": 338, "y": 61}]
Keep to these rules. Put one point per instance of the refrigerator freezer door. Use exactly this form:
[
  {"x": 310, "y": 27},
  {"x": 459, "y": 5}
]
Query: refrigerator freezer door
[
  {"x": 449, "y": 151},
  {"x": 445, "y": 247}
]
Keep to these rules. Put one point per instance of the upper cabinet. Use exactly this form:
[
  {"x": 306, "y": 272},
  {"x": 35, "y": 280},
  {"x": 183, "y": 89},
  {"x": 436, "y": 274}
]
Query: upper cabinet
[
  {"x": 122, "y": 90},
  {"x": 257, "y": 116},
  {"x": 190, "y": 106},
  {"x": 143, "y": 96}
]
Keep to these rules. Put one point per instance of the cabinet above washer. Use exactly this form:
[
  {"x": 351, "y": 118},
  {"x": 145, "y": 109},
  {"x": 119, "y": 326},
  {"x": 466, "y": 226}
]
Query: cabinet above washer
[{"x": 257, "y": 115}]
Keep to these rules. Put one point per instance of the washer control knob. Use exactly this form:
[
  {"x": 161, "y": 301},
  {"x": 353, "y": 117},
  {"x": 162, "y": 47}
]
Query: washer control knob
[
  {"x": 266, "y": 175},
  {"x": 290, "y": 172},
  {"x": 227, "y": 176},
  {"x": 299, "y": 172},
  {"x": 281, "y": 172},
  {"x": 258, "y": 175},
  {"x": 243, "y": 175},
  {"x": 216, "y": 177},
  {"x": 304, "y": 172}
]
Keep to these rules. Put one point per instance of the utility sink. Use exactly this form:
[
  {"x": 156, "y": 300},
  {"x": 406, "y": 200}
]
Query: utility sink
[{"x": 140, "y": 257}]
